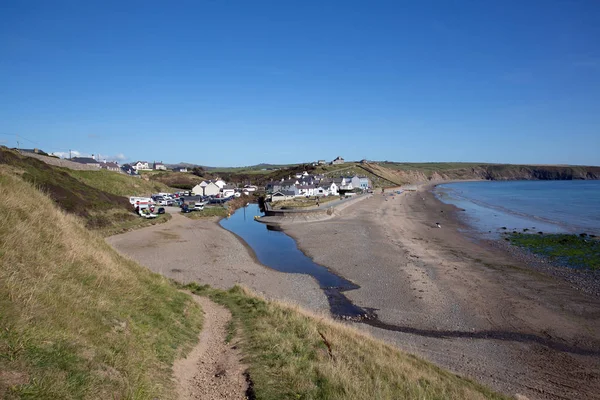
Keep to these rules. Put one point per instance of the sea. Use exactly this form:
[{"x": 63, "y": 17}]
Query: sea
[{"x": 493, "y": 207}]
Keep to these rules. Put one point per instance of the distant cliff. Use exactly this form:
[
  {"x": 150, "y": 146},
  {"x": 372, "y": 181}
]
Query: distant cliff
[
  {"x": 544, "y": 173},
  {"x": 399, "y": 173}
]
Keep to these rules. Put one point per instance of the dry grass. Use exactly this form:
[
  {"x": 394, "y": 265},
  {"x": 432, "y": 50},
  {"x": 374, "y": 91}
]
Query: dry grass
[
  {"x": 77, "y": 320},
  {"x": 119, "y": 184},
  {"x": 294, "y": 354}
]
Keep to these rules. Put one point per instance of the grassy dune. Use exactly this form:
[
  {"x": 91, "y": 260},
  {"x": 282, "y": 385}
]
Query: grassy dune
[
  {"x": 293, "y": 354},
  {"x": 76, "y": 319}
]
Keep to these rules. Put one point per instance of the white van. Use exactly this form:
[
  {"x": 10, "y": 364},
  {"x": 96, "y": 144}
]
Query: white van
[{"x": 136, "y": 200}]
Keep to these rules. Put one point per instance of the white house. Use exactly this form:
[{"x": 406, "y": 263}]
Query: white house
[
  {"x": 211, "y": 189},
  {"x": 141, "y": 166},
  {"x": 306, "y": 190},
  {"x": 111, "y": 166},
  {"x": 220, "y": 183},
  {"x": 282, "y": 195},
  {"x": 338, "y": 160},
  {"x": 330, "y": 187},
  {"x": 198, "y": 190},
  {"x": 159, "y": 166}
]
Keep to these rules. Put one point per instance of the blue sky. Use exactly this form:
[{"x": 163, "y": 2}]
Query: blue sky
[{"x": 225, "y": 83}]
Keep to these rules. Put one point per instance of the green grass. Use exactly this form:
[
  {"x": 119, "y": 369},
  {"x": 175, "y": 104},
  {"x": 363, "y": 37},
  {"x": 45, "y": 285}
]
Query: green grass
[
  {"x": 119, "y": 184},
  {"x": 570, "y": 250},
  {"x": 77, "y": 320},
  {"x": 94, "y": 196},
  {"x": 289, "y": 359}
]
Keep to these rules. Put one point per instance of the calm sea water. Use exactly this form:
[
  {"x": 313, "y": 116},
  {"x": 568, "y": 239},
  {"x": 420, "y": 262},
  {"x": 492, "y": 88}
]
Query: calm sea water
[{"x": 548, "y": 206}]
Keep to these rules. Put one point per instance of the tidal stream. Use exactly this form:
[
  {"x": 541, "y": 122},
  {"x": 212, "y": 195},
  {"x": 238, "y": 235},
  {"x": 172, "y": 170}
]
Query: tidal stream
[{"x": 278, "y": 251}]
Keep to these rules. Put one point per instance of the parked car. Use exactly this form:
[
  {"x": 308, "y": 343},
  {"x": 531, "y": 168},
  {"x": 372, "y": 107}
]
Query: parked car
[
  {"x": 185, "y": 208},
  {"x": 146, "y": 213}
]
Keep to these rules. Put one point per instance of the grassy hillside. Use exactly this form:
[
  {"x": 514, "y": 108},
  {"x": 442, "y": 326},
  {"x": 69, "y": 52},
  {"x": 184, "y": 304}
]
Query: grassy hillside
[
  {"x": 293, "y": 354},
  {"x": 105, "y": 211},
  {"x": 119, "y": 184},
  {"x": 78, "y": 321},
  {"x": 180, "y": 180}
]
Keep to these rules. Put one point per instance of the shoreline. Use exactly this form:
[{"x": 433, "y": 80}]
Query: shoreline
[
  {"x": 587, "y": 281},
  {"x": 424, "y": 280}
]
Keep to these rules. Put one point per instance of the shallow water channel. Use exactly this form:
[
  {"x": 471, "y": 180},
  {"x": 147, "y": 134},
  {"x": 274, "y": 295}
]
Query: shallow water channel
[{"x": 278, "y": 251}]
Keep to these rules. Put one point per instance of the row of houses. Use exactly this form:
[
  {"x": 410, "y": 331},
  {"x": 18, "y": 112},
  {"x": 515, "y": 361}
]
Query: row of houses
[
  {"x": 220, "y": 188},
  {"x": 303, "y": 185},
  {"x": 130, "y": 169},
  {"x": 156, "y": 166}
]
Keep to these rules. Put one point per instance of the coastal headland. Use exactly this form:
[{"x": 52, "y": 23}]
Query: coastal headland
[{"x": 467, "y": 306}]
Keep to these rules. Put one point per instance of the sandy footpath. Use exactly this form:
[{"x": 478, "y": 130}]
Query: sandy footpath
[
  {"x": 466, "y": 306},
  {"x": 201, "y": 251}
]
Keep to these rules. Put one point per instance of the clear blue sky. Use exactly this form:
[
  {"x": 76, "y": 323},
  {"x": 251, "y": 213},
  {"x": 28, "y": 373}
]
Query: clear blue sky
[{"x": 221, "y": 83}]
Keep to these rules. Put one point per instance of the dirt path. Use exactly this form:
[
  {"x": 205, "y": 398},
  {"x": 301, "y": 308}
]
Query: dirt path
[{"x": 213, "y": 369}]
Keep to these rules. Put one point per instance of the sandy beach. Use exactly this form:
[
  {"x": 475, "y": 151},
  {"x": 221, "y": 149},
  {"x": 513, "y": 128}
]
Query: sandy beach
[
  {"x": 201, "y": 251},
  {"x": 469, "y": 307}
]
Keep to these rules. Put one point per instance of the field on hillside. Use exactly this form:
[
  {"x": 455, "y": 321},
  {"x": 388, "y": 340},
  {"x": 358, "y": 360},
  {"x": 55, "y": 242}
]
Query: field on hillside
[
  {"x": 77, "y": 320},
  {"x": 179, "y": 180},
  {"x": 120, "y": 184}
]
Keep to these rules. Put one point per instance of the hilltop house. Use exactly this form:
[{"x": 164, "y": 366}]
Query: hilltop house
[
  {"x": 87, "y": 161},
  {"x": 141, "y": 166},
  {"x": 338, "y": 160},
  {"x": 34, "y": 151},
  {"x": 180, "y": 169},
  {"x": 159, "y": 166},
  {"x": 110, "y": 166}
]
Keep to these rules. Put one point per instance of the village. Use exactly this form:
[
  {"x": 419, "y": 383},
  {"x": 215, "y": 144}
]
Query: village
[{"x": 299, "y": 185}]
